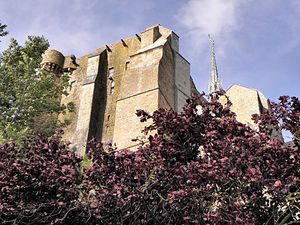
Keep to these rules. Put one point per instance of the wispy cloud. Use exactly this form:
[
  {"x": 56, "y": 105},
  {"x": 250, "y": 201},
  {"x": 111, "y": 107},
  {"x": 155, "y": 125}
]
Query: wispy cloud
[{"x": 216, "y": 17}]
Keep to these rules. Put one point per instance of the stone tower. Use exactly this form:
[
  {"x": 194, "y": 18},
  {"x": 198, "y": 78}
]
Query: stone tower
[
  {"x": 53, "y": 61},
  {"x": 108, "y": 86}
]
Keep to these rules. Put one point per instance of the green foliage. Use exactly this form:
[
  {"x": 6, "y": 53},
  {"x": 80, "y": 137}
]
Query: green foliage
[
  {"x": 3, "y": 32},
  {"x": 85, "y": 163},
  {"x": 29, "y": 98}
]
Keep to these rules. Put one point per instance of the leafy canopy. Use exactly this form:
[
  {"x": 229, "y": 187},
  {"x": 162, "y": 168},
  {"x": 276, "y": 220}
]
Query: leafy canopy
[
  {"x": 3, "y": 32},
  {"x": 199, "y": 168},
  {"x": 29, "y": 98}
]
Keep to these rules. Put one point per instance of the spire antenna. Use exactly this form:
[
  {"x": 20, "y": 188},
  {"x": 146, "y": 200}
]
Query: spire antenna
[{"x": 214, "y": 83}]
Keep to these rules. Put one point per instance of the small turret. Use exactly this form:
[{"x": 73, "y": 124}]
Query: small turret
[{"x": 53, "y": 61}]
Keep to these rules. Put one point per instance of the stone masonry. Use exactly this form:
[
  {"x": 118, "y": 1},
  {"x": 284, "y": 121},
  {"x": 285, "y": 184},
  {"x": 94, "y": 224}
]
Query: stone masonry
[
  {"x": 108, "y": 86},
  {"x": 142, "y": 72},
  {"x": 246, "y": 102}
]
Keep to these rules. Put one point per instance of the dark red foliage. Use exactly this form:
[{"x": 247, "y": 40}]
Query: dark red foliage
[
  {"x": 287, "y": 111},
  {"x": 196, "y": 168},
  {"x": 38, "y": 182}
]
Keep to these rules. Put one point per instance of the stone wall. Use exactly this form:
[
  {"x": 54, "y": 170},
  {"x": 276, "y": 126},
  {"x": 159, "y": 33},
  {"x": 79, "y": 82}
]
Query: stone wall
[
  {"x": 246, "y": 102},
  {"x": 110, "y": 84},
  {"x": 166, "y": 78},
  {"x": 182, "y": 81},
  {"x": 74, "y": 92},
  {"x": 117, "y": 69},
  {"x": 138, "y": 90}
]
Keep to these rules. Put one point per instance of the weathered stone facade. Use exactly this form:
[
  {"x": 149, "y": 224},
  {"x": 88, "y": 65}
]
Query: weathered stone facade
[
  {"x": 246, "y": 102},
  {"x": 109, "y": 85},
  {"x": 142, "y": 72}
]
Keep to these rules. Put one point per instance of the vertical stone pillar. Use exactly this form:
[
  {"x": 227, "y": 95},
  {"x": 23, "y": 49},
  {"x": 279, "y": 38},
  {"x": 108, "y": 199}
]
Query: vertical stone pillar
[
  {"x": 86, "y": 104},
  {"x": 182, "y": 81}
]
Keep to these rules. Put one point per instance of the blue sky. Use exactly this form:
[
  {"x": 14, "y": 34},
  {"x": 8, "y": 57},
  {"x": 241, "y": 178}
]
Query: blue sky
[{"x": 257, "y": 42}]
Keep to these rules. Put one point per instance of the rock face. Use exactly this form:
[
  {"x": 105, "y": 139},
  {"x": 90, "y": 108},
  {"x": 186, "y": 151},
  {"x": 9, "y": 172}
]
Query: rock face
[{"x": 109, "y": 85}]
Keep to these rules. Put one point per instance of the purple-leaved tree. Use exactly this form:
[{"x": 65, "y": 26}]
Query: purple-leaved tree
[
  {"x": 39, "y": 182},
  {"x": 195, "y": 168}
]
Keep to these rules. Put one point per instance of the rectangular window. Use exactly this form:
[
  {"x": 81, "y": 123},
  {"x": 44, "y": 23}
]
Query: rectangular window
[{"x": 127, "y": 65}]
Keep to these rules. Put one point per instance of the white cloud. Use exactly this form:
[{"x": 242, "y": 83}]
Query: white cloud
[{"x": 216, "y": 17}]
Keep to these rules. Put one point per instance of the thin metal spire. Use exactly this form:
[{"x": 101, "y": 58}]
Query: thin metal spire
[{"x": 214, "y": 83}]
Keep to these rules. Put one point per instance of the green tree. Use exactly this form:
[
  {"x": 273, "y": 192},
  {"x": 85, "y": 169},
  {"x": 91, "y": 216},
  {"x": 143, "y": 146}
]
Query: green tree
[
  {"x": 3, "y": 32},
  {"x": 29, "y": 98}
]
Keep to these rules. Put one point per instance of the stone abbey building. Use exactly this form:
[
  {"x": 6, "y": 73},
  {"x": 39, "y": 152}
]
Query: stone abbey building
[
  {"x": 108, "y": 86},
  {"x": 146, "y": 72}
]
